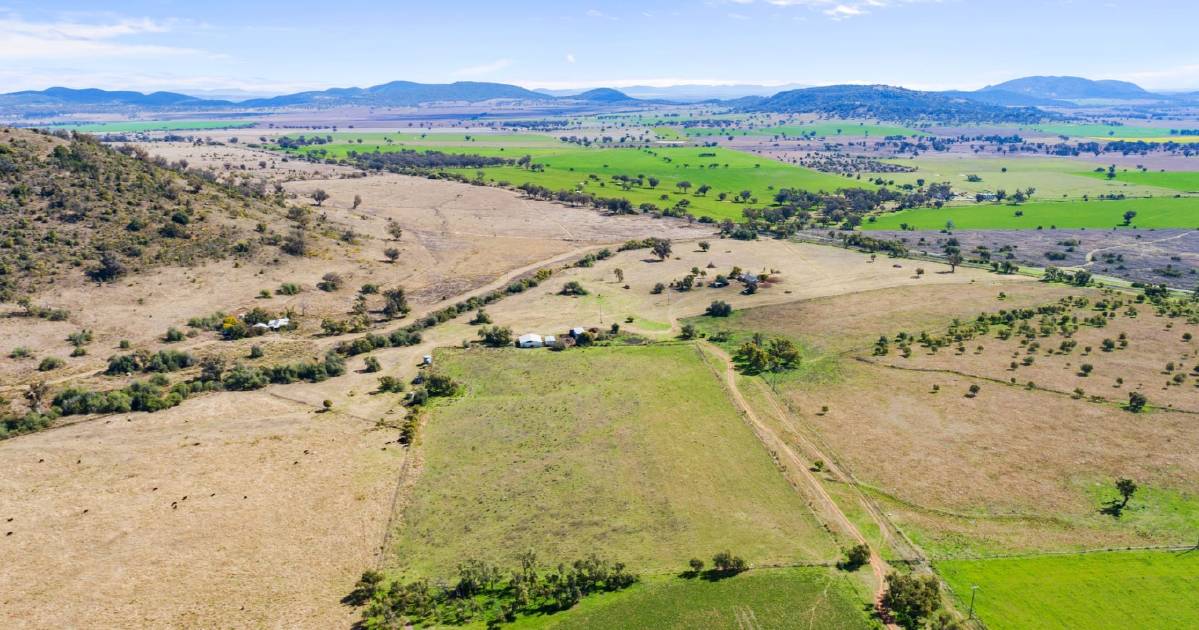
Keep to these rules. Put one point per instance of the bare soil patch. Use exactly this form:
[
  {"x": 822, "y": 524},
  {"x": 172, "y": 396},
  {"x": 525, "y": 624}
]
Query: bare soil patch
[{"x": 233, "y": 510}]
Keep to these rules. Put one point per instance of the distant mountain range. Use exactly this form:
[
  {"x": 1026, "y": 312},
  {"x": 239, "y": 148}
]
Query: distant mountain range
[
  {"x": 1071, "y": 89},
  {"x": 1019, "y": 100},
  {"x": 891, "y": 103},
  {"x": 690, "y": 93},
  {"x": 394, "y": 94}
]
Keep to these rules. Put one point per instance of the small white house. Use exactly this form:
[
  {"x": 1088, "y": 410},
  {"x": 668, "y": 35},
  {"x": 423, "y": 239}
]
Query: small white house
[
  {"x": 427, "y": 360},
  {"x": 550, "y": 340},
  {"x": 529, "y": 340}
]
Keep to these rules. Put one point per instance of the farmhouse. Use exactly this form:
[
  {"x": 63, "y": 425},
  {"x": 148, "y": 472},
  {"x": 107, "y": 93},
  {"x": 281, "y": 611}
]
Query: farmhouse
[
  {"x": 274, "y": 324},
  {"x": 529, "y": 340}
]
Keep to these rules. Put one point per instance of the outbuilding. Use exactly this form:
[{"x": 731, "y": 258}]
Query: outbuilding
[{"x": 529, "y": 340}]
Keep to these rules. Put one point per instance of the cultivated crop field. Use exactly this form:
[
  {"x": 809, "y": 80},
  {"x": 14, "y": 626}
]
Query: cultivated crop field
[
  {"x": 1121, "y": 589},
  {"x": 634, "y": 453},
  {"x": 1156, "y": 212}
]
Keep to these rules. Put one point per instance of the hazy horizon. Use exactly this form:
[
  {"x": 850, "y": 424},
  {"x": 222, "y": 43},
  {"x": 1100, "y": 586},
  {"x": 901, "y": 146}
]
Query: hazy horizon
[{"x": 275, "y": 48}]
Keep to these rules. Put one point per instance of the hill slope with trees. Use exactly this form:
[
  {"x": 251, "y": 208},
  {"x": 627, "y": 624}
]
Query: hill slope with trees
[{"x": 70, "y": 205}]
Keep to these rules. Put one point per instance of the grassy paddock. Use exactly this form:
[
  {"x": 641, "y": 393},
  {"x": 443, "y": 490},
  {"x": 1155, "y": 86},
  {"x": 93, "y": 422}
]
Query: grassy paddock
[
  {"x": 1124, "y": 589},
  {"x": 1185, "y": 181},
  {"x": 634, "y": 453},
  {"x": 813, "y": 598}
]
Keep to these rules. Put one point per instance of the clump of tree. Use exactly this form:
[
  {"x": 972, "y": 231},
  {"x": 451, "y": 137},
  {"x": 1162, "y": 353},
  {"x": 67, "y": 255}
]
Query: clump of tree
[
  {"x": 719, "y": 308},
  {"x": 912, "y": 598},
  {"x": 759, "y": 355},
  {"x": 496, "y": 336},
  {"x": 573, "y": 288},
  {"x": 855, "y": 557},
  {"x": 482, "y": 593},
  {"x": 145, "y": 361}
]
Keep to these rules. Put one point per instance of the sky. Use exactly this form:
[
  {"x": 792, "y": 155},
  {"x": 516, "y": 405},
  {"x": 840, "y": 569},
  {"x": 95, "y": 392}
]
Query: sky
[{"x": 268, "y": 47}]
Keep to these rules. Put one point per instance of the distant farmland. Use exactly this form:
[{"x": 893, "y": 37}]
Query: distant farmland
[
  {"x": 845, "y": 128},
  {"x": 590, "y": 169},
  {"x": 1184, "y": 181},
  {"x": 141, "y": 126},
  {"x": 1156, "y": 212}
]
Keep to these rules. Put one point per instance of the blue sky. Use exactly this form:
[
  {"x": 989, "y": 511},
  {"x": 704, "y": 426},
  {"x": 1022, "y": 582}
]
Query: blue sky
[{"x": 274, "y": 47}]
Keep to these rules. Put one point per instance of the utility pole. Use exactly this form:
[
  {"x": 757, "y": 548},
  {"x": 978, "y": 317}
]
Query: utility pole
[{"x": 973, "y": 592}]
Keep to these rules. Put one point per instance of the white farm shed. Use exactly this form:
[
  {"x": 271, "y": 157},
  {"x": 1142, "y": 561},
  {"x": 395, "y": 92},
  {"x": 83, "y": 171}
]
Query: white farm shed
[{"x": 529, "y": 341}]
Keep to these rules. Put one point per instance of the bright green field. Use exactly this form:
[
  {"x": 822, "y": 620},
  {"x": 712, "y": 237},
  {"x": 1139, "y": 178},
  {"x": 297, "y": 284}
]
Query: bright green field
[
  {"x": 1053, "y": 179},
  {"x": 633, "y": 453},
  {"x": 160, "y": 125},
  {"x": 567, "y": 167},
  {"x": 799, "y": 598},
  {"x": 1185, "y": 181},
  {"x": 1158, "y": 212},
  {"x": 725, "y": 170},
  {"x": 1117, "y": 590}
]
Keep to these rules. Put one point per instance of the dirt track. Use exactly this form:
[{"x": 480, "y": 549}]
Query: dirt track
[{"x": 799, "y": 474}]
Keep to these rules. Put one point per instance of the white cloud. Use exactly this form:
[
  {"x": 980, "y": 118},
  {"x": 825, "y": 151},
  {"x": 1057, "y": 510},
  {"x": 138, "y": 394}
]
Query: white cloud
[
  {"x": 844, "y": 9},
  {"x": 486, "y": 68},
  {"x": 570, "y": 57},
  {"x": 70, "y": 39},
  {"x": 739, "y": 16}
]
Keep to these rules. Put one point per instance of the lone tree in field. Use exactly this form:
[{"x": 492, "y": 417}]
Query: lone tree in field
[
  {"x": 1126, "y": 488},
  {"x": 394, "y": 229},
  {"x": 395, "y": 303},
  {"x": 1137, "y": 402},
  {"x": 683, "y": 185},
  {"x": 653, "y": 181},
  {"x": 357, "y": 201},
  {"x": 392, "y": 254},
  {"x": 573, "y": 288},
  {"x": 954, "y": 260},
  {"x": 719, "y": 308},
  {"x": 1129, "y": 215},
  {"x": 660, "y": 247},
  {"x": 319, "y": 196},
  {"x": 855, "y": 557},
  {"x": 912, "y": 598}
]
